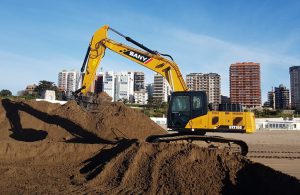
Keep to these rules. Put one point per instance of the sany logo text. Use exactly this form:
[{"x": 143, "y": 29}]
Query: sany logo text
[{"x": 140, "y": 57}]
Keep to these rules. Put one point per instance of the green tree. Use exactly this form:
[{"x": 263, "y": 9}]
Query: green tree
[
  {"x": 150, "y": 102},
  {"x": 5, "y": 93},
  {"x": 155, "y": 108},
  {"x": 45, "y": 85},
  {"x": 26, "y": 95}
]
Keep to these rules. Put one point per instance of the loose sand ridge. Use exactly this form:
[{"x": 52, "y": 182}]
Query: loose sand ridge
[
  {"x": 49, "y": 148},
  {"x": 107, "y": 123}
]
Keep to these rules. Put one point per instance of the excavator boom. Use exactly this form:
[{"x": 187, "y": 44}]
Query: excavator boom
[{"x": 148, "y": 58}]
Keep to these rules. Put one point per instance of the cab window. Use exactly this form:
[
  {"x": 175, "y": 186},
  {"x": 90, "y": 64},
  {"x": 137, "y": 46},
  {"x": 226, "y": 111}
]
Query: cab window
[{"x": 181, "y": 104}]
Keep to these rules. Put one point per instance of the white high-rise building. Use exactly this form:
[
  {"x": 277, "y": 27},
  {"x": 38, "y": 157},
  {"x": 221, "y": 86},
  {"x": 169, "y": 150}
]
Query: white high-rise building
[
  {"x": 67, "y": 81},
  {"x": 161, "y": 88},
  {"x": 119, "y": 86},
  {"x": 141, "y": 96},
  {"x": 71, "y": 82},
  {"x": 124, "y": 86},
  {"x": 109, "y": 84},
  {"x": 62, "y": 80},
  {"x": 210, "y": 83}
]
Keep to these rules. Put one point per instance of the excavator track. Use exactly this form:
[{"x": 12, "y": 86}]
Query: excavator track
[{"x": 210, "y": 142}]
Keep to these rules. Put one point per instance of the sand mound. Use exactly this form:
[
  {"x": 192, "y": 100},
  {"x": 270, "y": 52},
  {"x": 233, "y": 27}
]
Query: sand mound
[
  {"x": 142, "y": 168},
  {"x": 49, "y": 148},
  {"x": 106, "y": 123},
  {"x": 111, "y": 121}
]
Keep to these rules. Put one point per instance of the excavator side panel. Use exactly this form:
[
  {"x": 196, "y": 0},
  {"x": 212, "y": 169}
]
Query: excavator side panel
[{"x": 215, "y": 121}]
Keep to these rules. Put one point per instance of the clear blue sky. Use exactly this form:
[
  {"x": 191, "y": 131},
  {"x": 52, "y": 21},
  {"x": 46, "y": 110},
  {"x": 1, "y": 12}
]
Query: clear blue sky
[{"x": 40, "y": 38}]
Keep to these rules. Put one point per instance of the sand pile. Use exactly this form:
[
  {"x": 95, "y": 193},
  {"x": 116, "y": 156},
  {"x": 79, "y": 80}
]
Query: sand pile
[
  {"x": 142, "y": 168},
  {"x": 111, "y": 121},
  {"x": 49, "y": 148},
  {"x": 106, "y": 123}
]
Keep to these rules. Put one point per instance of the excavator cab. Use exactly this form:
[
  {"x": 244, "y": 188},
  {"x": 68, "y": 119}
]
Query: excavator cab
[{"x": 184, "y": 106}]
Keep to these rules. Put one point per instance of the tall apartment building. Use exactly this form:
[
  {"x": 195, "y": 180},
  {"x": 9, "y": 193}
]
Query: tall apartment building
[
  {"x": 245, "y": 84},
  {"x": 71, "y": 82},
  {"x": 271, "y": 99},
  {"x": 139, "y": 81},
  {"x": 124, "y": 86},
  {"x": 109, "y": 80},
  {"x": 62, "y": 80},
  {"x": 282, "y": 97},
  {"x": 210, "y": 83},
  {"x": 67, "y": 81},
  {"x": 119, "y": 85},
  {"x": 161, "y": 88},
  {"x": 295, "y": 87}
]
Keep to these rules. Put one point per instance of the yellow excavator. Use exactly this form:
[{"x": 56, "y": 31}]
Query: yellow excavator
[{"x": 188, "y": 111}]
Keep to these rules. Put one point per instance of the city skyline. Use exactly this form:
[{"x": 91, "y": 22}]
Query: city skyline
[
  {"x": 146, "y": 83},
  {"x": 38, "y": 39}
]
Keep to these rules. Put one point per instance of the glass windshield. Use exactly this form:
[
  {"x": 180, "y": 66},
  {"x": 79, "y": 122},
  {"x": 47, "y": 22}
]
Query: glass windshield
[
  {"x": 197, "y": 103},
  {"x": 181, "y": 103}
]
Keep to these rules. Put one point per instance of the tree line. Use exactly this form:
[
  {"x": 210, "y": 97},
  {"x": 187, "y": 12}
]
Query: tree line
[{"x": 37, "y": 92}]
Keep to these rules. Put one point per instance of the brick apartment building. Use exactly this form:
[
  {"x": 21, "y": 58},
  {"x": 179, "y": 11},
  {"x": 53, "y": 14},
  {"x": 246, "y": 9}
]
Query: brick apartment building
[{"x": 245, "y": 86}]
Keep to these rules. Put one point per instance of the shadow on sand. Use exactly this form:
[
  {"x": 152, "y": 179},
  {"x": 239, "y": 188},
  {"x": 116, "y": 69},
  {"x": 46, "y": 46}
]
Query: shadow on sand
[
  {"x": 29, "y": 135},
  {"x": 94, "y": 165},
  {"x": 255, "y": 178},
  {"x": 13, "y": 108}
]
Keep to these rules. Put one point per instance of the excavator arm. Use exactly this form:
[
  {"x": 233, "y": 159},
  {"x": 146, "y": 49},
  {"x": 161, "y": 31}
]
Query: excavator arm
[{"x": 146, "y": 57}]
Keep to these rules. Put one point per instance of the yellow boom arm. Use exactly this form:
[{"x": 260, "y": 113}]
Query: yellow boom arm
[{"x": 150, "y": 59}]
